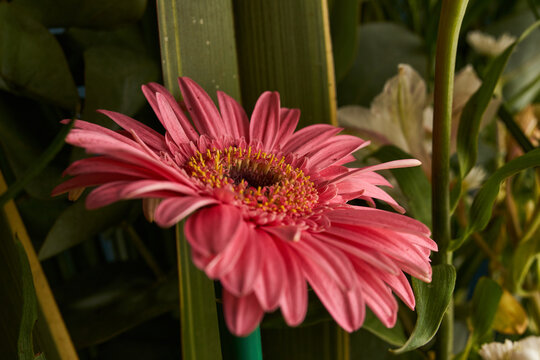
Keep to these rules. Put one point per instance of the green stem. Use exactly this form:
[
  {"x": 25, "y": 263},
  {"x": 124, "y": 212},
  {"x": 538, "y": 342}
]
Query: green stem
[{"x": 452, "y": 13}]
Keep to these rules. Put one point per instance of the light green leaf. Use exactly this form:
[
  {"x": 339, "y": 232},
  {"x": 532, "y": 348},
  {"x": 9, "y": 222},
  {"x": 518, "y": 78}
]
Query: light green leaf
[
  {"x": 482, "y": 205},
  {"x": 83, "y": 13},
  {"x": 285, "y": 46},
  {"x": 382, "y": 47},
  {"x": 522, "y": 260},
  {"x": 485, "y": 301},
  {"x": 198, "y": 314},
  {"x": 77, "y": 224},
  {"x": 37, "y": 166},
  {"x": 344, "y": 17},
  {"x": 469, "y": 125},
  {"x": 31, "y": 60},
  {"x": 394, "y": 336},
  {"x": 412, "y": 181},
  {"x": 432, "y": 300}
]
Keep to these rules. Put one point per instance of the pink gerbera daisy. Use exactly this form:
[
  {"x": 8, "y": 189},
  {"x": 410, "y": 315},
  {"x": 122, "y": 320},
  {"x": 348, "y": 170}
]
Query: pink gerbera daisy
[{"x": 268, "y": 205}]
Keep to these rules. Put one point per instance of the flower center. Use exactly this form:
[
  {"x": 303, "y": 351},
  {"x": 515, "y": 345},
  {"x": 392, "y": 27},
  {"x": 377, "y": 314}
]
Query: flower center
[{"x": 260, "y": 180}]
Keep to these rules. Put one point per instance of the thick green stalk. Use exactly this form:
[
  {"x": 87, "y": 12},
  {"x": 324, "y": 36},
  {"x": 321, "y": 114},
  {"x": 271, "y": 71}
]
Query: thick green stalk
[{"x": 452, "y": 12}]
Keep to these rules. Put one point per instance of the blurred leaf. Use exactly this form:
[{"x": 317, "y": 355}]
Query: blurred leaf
[
  {"x": 522, "y": 260},
  {"x": 128, "y": 36},
  {"x": 364, "y": 345},
  {"x": 511, "y": 318},
  {"x": 514, "y": 129},
  {"x": 412, "y": 182},
  {"x": 198, "y": 314},
  {"x": 469, "y": 125},
  {"x": 50, "y": 332},
  {"x": 285, "y": 46},
  {"x": 485, "y": 302},
  {"x": 432, "y": 300},
  {"x": 83, "y": 13},
  {"x": 524, "y": 65},
  {"x": 381, "y": 48},
  {"x": 394, "y": 336},
  {"x": 29, "y": 310},
  {"x": 198, "y": 40},
  {"x": 37, "y": 166},
  {"x": 112, "y": 299},
  {"x": 114, "y": 76},
  {"x": 77, "y": 224},
  {"x": 344, "y": 23},
  {"x": 31, "y": 60},
  {"x": 482, "y": 205}
]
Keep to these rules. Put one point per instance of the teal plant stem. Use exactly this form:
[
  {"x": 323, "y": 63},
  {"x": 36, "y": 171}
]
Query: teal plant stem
[{"x": 452, "y": 13}]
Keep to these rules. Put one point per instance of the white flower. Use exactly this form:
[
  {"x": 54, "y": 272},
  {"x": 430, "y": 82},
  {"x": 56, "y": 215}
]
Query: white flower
[
  {"x": 486, "y": 44},
  {"x": 526, "y": 349}
]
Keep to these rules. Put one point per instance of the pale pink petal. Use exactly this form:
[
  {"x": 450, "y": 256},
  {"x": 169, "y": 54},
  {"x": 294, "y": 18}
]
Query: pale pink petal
[
  {"x": 210, "y": 230},
  {"x": 265, "y": 120},
  {"x": 148, "y": 135},
  {"x": 234, "y": 117},
  {"x": 242, "y": 314},
  {"x": 204, "y": 113},
  {"x": 270, "y": 283},
  {"x": 174, "y": 209}
]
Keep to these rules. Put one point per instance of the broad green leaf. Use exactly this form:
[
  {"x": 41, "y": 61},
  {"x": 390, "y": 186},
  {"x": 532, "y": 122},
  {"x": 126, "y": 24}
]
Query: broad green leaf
[
  {"x": 394, "y": 336},
  {"x": 482, "y": 205},
  {"x": 381, "y": 48},
  {"x": 412, "y": 181},
  {"x": 432, "y": 300},
  {"x": 77, "y": 224},
  {"x": 37, "y": 166},
  {"x": 485, "y": 302},
  {"x": 285, "y": 46},
  {"x": 198, "y": 314},
  {"x": 469, "y": 125},
  {"x": 83, "y": 13},
  {"x": 114, "y": 76},
  {"x": 31, "y": 60},
  {"x": 29, "y": 310},
  {"x": 198, "y": 40},
  {"x": 344, "y": 17}
]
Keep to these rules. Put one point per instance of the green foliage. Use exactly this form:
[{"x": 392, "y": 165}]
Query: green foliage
[{"x": 432, "y": 300}]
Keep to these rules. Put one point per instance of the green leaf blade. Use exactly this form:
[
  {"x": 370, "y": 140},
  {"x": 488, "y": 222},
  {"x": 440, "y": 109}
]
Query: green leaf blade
[{"x": 432, "y": 300}]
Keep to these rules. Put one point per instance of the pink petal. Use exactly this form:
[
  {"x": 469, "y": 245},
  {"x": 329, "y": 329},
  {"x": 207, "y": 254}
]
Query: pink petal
[
  {"x": 346, "y": 307},
  {"x": 87, "y": 180},
  {"x": 219, "y": 265},
  {"x": 285, "y": 232},
  {"x": 359, "y": 216},
  {"x": 105, "y": 195},
  {"x": 203, "y": 112},
  {"x": 330, "y": 260},
  {"x": 269, "y": 285},
  {"x": 102, "y": 164},
  {"x": 170, "y": 121},
  {"x": 265, "y": 120},
  {"x": 150, "y": 90},
  {"x": 303, "y": 140},
  {"x": 396, "y": 164},
  {"x": 294, "y": 299},
  {"x": 333, "y": 150},
  {"x": 148, "y": 135},
  {"x": 172, "y": 210},
  {"x": 288, "y": 123},
  {"x": 142, "y": 188},
  {"x": 241, "y": 279},
  {"x": 234, "y": 117},
  {"x": 242, "y": 314},
  {"x": 400, "y": 285},
  {"x": 211, "y": 229}
]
